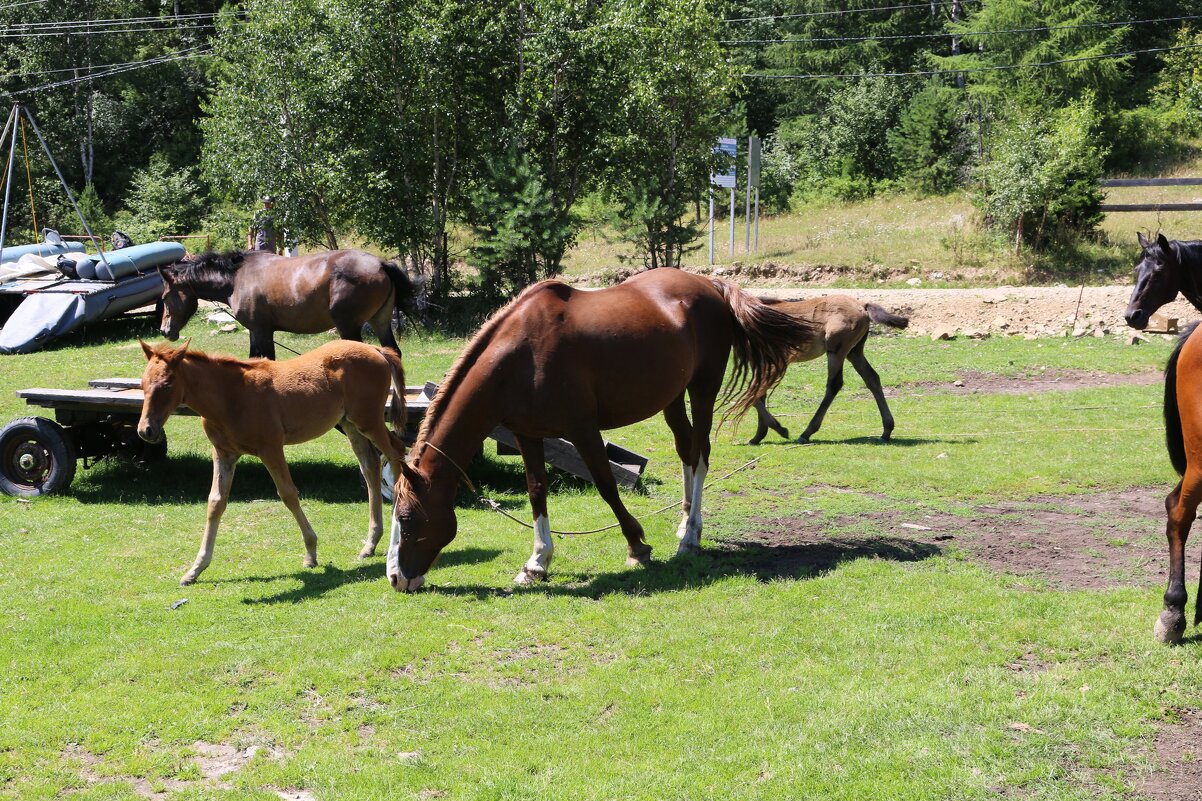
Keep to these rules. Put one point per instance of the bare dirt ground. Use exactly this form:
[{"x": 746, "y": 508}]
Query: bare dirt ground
[{"x": 1019, "y": 310}]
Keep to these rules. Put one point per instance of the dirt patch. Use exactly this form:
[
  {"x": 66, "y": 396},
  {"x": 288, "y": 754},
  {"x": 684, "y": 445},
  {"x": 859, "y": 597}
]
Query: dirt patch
[
  {"x": 1178, "y": 773},
  {"x": 971, "y": 382},
  {"x": 1103, "y": 540}
]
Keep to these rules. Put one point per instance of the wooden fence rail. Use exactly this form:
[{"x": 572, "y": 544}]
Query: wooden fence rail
[{"x": 1114, "y": 182}]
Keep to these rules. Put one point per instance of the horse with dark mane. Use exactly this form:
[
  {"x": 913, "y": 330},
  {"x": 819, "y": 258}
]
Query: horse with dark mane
[
  {"x": 842, "y": 323},
  {"x": 340, "y": 289},
  {"x": 1166, "y": 267},
  {"x": 561, "y": 362}
]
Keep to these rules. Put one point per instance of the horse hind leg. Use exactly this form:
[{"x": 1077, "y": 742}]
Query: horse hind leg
[
  {"x": 682, "y": 434},
  {"x": 277, "y": 466},
  {"x": 369, "y": 466},
  {"x": 381, "y": 323},
  {"x": 873, "y": 382},
  {"x": 693, "y": 446},
  {"x": 223, "y": 479},
  {"x": 1181, "y": 507}
]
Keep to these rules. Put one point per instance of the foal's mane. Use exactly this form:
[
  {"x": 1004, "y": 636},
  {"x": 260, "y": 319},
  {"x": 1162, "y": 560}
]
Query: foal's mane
[
  {"x": 165, "y": 351},
  {"x": 454, "y": 376},
  {"x": 210, "y": 267}
]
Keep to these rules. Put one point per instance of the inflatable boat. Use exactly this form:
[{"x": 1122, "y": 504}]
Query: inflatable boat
[{"x": 39, "y": 304}]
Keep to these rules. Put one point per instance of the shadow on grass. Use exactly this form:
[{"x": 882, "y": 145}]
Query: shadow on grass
[
  {"x": 319, "y": 581},
  {"x": 895, "y": 442},
  {"x": 763, "y": 561},
  {"x": 123, "y": 329}
]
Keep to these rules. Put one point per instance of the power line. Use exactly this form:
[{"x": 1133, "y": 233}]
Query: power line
[
  {"x": 84, "y": 67},
  {"x": 72, "y": 23},
  {"x": 931, "y": 5},
  {"x": 26, "y": 3},
  {"x": 131, "y": 66},
  {"x": 961, "y": 34},
  {"x": 998, "y": 68}
]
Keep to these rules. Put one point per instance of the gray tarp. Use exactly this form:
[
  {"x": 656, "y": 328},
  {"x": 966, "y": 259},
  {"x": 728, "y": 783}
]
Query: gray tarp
[{"x": 62, "y": 307}]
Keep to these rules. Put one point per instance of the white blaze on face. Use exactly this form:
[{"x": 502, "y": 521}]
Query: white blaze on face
[{"x": 394, "y": 549}]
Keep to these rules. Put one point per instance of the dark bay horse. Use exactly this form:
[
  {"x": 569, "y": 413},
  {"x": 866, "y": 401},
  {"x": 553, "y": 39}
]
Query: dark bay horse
[
  {"x": 340, "y": 289},
  {"x": 1183, "y": 435},
  {"x": 257, "y": 407},
  {"x": 560, "y": 362},
  {"x": 1165, "y": 268},
  {"x": 842, "y": 323}
]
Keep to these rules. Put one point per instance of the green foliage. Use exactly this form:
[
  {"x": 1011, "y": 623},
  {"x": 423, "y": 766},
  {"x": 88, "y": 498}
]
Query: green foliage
[
  {"x": 1179, "y": 87},
  {"x": 520, "y": 238},
  {"x": 1039, "y": 178},
  {"x": 931, "y": 143},
  {"x": 161, "y": 202}
]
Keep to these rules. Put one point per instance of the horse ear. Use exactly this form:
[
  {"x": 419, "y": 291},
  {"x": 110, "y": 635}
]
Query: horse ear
[
  {"x": 1143, "y": 241},
  {"x": 1163, "y": 241},
  {"x": 149, "y": 351},
  {"x": 180, "y": 352},
  {"x": 167, "y": 275}
]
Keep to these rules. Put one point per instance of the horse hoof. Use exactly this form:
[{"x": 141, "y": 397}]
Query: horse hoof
[
  {"x": 367, "y": 552},
  {"x": 527, "y": 576},
  {"x": 885, "y": 437},
  {"x": 187, "y": 581},
  {"x": 688, "y": 548},
  {"x": 639, "y": 559},
  {"x": 310, "y": 561},
  {"x": 755, "y": 440},
  {"x": 1170, "y": 627},
  {"x": 803, "y": 440}
]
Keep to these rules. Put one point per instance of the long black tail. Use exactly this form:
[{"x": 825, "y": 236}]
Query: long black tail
[
  {"x": 401, "y": 283},
  {"x": 1174, "y": 439},
  {"x": 879, "y": 314}
]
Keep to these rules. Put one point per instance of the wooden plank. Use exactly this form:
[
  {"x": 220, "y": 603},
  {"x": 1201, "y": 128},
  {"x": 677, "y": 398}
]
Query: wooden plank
[
  {"x": 1112, "y": 207},
  {"x": 1151, "y": 182}
]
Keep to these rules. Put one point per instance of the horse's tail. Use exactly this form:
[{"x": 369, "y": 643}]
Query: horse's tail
[
  {"x": 1174, "y": 438},
  {"x": 879, "y": 314},
  {"x": 400, "y": 282},
  {"x": 398, "y": 410},
  {"x": 764, "y": 340}
]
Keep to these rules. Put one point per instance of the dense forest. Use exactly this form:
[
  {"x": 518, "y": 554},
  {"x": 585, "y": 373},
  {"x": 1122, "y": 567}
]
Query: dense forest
[{"x": 395, "y": 124}]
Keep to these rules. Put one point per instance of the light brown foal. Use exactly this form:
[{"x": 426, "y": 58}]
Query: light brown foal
[
  {"x": 842, "y": 323},
  {"x": 257, "y": 407}
]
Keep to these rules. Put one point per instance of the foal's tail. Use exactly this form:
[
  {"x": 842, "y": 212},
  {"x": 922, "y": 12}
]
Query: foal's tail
[
  {"x": 764, "y": 340},
  {"x": 398, "y": 410},
  {"x": 1174, "y": 438},
  {"x": 879, "y": 314}
]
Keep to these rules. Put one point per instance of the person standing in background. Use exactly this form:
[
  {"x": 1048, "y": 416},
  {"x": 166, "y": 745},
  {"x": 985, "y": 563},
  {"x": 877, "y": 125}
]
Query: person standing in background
[{"x": 263, "y": 234}]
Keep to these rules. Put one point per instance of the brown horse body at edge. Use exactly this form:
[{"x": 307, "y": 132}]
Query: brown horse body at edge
[
  {"x": 339, "y": 289},
  {"x": 257, "y": 407},
  {"x": 560, "y": 362},
  {"x": 842, "y": 324}
]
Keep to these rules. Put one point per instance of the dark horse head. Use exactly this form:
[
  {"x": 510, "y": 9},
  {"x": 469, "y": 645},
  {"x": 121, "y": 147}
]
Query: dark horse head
[
  {"x": 185, "y": 282},
  {"x": 1158, "y": 279}
]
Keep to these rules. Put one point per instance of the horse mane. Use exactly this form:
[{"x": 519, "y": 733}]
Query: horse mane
[
  {"x": 454, "y": 376},
  {"x": 210, "y": 267},
  {"x": 165, "y": 351}
]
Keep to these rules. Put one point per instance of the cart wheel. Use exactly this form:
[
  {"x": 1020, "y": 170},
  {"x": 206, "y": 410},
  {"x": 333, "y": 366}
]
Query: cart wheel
[{"x": 36, "y": 457}]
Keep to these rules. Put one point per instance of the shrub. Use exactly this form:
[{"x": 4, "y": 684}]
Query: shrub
[{"x": 930, "y": 145}]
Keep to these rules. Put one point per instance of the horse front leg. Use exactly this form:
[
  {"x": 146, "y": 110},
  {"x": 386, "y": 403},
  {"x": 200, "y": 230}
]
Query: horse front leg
[
  {"x": 533, "y": 458},
  {"x": 219, "y": 494},
  {"x": 277, "y": 466},
  {"x": 765, "y": 421},
  {"x": 591, "y": 447},
  {"x": 682, "y": 435},
  {"x": 262, "y": 343},
  {"x": 834, "y": 383},
  {"x": 1181, "y": 507}
]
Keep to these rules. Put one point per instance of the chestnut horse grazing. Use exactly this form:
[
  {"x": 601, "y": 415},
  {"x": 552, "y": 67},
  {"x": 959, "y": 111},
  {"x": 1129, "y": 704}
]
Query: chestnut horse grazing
[
  {"x": 560, "y": 362},
  {"x": 1183, "y": 434},
  {"x": 1166, "y": 267},
  {"x": 257, "y": 407},
  {"x": 340, "y": 289},
  {"x": 842, "y": 324}
]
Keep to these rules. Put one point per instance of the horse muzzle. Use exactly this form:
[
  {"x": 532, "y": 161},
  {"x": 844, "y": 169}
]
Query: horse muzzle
[
  {"x": 149, "y": 432},
  {"x": 168, "y": 334},
  {"x": 1137, "y": 319},
  {"x": 406, "y": 585}
]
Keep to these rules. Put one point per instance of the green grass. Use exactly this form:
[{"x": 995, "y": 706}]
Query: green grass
[{"x": 690, "y": 679}]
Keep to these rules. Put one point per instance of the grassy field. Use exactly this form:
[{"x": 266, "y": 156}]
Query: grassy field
[{"x": 734, "y": 673}]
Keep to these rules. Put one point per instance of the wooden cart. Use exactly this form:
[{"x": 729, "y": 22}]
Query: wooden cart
[{"x": 39, "y": 455}]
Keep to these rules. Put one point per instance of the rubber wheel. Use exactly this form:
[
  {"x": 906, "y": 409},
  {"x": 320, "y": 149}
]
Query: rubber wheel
[{"x": 36, "y": 457}]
